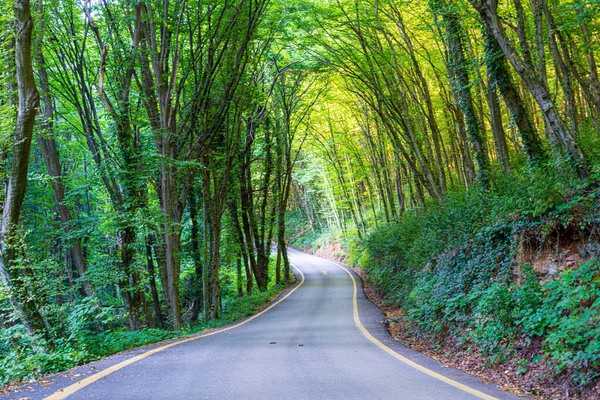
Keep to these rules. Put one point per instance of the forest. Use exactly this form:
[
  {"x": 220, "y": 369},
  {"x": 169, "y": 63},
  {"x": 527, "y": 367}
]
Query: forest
[{"x": 159, "y": 157}]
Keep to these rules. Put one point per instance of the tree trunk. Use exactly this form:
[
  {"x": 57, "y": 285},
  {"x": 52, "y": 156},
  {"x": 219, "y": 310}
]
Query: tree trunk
[
  {"x": 28, "y": 97},
  {"x": 51, "y": 159},
  {"x": 160, "y": 322},
  {"x": 196, "y": 256},
  {"x": 594, "y": 82},
  {"x": 235, "y": 220},
  {"x": 249, "y": 227},
  {"x": 563, "y": 72},
  {"x": 497, "y": 128},
  {"x": 458, "y": 67},
  {"x": 555, "y": 125},
  {"x": 499, "y": 76}
]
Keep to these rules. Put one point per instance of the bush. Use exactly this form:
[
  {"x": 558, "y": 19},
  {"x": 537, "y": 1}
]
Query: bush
[
  {"x": 451, "y": 268},
  {"x": 568, "y": 319},
  {"x": 91, "y": 336}
]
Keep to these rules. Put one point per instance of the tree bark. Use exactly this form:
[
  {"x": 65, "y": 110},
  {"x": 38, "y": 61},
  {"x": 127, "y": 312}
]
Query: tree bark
[
  {"x": 499, "y": 76},
  {"x": 497, "y": 128},
  {"x": 28, "y": 98},
  {"x": 51, "y": 158},
  {"x": 556, "y": 127}
]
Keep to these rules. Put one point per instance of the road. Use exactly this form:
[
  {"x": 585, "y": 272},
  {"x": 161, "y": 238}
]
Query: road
[{"x": 311, "y": 345}]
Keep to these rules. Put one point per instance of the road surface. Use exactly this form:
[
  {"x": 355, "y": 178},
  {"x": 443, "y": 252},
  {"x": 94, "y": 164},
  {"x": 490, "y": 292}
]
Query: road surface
[{"x": 324, "y": 341}]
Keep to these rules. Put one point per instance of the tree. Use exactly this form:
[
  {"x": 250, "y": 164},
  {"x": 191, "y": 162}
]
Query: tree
[
  {"x": 459, "y": 76},
  {"x": 561, "y": 135},
  {"x": 28, "y": 97}
]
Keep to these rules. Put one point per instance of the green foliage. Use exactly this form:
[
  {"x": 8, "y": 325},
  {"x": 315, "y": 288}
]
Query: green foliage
[
  {"x": 417, "y": 239},
  {"x": 568, "y": 318},
  {"x": 24, "y": 357},
  {"x": 589, "y": 138},
  {"x": 241, "y": 307},
  {"x": 452, "y": 270},
  {"x": 301, "y": 236},
  {"x": 89, "y": 338}
]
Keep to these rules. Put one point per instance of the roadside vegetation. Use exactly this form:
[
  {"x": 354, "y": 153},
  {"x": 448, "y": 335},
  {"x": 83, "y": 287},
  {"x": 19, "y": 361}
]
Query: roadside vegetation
[
  {"x": 93, "y": 332},
  {"x": 515, "y": 282},
  {"x": 435, "y": 169}
]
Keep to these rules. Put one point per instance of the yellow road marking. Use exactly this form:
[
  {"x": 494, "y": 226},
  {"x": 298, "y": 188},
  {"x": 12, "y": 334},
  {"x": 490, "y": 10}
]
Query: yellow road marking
[
  {"x": 69, "y": 390},
  {"x": 405, "y": 360}
]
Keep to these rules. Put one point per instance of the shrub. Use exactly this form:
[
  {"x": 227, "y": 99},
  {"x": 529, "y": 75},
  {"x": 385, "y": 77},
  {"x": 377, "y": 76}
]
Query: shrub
[
  {"x": 568, "y": 319},
  {"x": 452, "y": 270}
]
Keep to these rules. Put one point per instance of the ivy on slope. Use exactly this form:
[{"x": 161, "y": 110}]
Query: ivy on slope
[{"x": 456, "y": 272}]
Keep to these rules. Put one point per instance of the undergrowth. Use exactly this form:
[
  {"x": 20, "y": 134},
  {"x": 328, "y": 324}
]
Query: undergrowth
[
  {"x": 455, "y": 271},
  {"x": 91, "y": 337}
]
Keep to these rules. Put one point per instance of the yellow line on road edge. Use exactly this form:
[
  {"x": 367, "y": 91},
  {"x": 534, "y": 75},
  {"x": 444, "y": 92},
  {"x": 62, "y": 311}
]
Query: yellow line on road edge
[
  {"x": 405, "y": 360},
  {"x": 69, "y": 390}
]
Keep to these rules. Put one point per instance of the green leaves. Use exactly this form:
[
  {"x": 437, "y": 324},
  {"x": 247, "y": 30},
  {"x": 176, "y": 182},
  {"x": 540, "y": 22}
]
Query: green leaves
[
  {"x": 457, "y": 272},
  {"x": 568, "y": 319}
]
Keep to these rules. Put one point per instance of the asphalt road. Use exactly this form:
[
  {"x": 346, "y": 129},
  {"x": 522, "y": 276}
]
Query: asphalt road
[{"x": 309, "y": 346}]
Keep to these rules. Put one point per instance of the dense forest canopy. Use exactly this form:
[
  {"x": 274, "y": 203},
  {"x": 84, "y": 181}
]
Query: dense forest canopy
[
  {"x": 431, "y": 97},
  {"x": 159, "y": 155}
]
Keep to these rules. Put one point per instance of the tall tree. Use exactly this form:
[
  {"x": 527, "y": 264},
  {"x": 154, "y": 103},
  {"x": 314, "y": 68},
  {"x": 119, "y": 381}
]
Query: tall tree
[
  {"x": 49, "y": 149},
  {"x": 28, "y": 96},
  {"x": 562, "y": 136},
  {"x": 458, "y": 67}
]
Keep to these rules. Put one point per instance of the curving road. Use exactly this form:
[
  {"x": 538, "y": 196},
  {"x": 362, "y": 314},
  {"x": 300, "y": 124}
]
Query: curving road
[{"x": 309, "y": 346}]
